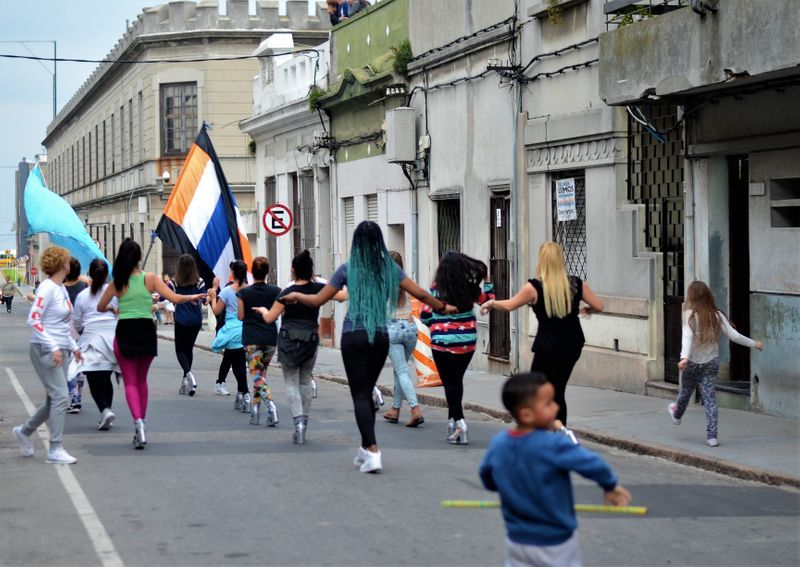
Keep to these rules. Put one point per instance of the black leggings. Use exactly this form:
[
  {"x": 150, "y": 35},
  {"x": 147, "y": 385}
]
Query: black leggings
[
  {"x": 7, "y": 301},
  {"x": 234, "y": 358},
  {"x": 451, "y": 369},
  {"x": 557, "y": 367},
  {"x": 185, "y": 337},
  {"x": 101, "y": 388},
  {"x": 363, "y": 363}
]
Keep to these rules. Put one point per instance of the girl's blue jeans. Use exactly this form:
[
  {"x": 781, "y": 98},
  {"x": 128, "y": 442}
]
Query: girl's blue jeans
[{"x": 402, "y": 340}]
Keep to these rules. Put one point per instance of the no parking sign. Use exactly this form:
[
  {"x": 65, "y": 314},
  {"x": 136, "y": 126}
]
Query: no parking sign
[{"x": 278, "y": 219}]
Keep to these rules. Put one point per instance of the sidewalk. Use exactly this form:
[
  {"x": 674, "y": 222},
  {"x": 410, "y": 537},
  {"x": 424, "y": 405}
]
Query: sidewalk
[{"x": 752, "y": 446}]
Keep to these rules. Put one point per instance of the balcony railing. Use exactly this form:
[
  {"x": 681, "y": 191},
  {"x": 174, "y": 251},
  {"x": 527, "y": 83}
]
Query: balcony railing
[{"x": 623, "y": 12}]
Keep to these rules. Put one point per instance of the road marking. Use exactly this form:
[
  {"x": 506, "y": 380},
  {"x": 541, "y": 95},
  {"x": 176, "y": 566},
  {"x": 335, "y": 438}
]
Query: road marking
[{"x": 91, "y": 521}]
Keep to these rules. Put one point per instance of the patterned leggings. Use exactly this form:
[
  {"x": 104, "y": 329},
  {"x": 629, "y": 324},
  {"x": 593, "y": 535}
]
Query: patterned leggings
[
  {"x": 258, "y": 358},
  {"x": 706, "y": 376}
]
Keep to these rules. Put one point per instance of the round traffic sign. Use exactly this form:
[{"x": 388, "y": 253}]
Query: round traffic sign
[
  {"x": 34, "y": 271},
  {"x": 278, "y": 219}
]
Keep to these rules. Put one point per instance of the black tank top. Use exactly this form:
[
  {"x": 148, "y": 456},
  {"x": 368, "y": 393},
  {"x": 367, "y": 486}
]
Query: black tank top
[{"x": 554, "y": 334}]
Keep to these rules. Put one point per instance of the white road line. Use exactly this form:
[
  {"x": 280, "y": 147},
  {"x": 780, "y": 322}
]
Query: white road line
[{"x": 91, "y": 521}]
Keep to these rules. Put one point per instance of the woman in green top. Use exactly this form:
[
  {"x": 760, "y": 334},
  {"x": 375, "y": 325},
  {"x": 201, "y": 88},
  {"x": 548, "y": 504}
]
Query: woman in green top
[{"x": 135, "y": 343}]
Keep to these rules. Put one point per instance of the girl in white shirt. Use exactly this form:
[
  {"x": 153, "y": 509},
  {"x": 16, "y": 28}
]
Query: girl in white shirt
[
  {"x": 702, "y": 325},
  {"x": 96, "y": 341}
]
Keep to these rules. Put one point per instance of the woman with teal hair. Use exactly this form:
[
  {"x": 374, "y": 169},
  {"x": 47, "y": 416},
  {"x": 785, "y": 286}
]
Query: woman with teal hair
[{"x": 373, "y": 280}]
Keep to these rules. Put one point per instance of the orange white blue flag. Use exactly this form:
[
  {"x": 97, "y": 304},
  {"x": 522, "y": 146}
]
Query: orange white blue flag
[{"x": 201, "y": 217}]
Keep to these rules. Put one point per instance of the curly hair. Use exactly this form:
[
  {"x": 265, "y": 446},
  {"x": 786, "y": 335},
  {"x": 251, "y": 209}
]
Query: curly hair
[
  {"x": 458, "y": 280},
  {"x": 53, "y": 259}
]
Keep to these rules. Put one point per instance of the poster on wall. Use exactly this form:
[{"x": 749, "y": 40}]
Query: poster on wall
[{"x": 565, "y": 200}]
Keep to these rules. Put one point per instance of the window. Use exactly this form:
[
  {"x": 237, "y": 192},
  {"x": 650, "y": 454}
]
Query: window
[
  {"x": 784, "y": 203},
  {"x": 113, "y": 143},
  {"x": 178, "y": 117},
  {"x": 294, "y": 195},
  {"x": 372, "y": 208},
  {"x": 122, "y": 137},
  {"x": 308, "y": 212},
  {"x": 105, "y": 149},
  {"x": 571, "y": 234},
  {"x": 448, "y": 223},
  {"x": 271, "y": 197},
  {"x": 89, "y": 157},
  {"x": 96, "y": 154},
  {"x": 349, "y": 224},
  {"x": 130, "y": 130},
  {"x": 140, "y": 107},
  {"x": 114, "y": 240},
  {"x": 73, "y": 170}
]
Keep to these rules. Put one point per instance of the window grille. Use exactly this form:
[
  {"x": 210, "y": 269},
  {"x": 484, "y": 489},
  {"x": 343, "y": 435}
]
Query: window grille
[
  {"x": 372, "y": 208},
  {"x": 571, "y": 235},
  {"x": 308, "y": 212},
  {"x": 178, "y": 117},
  {"x": 449, "y": 225}
]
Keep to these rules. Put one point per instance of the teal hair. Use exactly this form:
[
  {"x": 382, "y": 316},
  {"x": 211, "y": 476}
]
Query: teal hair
[{"x": 373, "y": 279}]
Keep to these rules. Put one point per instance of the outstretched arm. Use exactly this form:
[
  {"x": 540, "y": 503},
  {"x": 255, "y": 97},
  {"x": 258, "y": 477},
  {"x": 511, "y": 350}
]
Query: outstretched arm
[
  {"x": 595, "y": 303},
  {"x": 109, "y": 294},
  {"x": 271, "y": 315},
  {"x": 156, "y": 284},
  {"x": 317, "y": 300},
  {"x": 414, "y": 289},
  {"x": 524, "y": 296}
]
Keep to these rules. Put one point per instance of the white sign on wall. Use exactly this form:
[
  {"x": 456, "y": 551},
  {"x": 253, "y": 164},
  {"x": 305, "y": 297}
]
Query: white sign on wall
[{"x": 565, "y": 200}]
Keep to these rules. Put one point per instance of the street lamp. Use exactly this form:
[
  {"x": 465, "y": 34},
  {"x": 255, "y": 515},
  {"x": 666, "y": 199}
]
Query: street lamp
[{"x": 54, "y": 72}]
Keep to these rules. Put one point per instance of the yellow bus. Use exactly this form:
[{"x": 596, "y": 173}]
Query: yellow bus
[{"x": 7, "y": 259}]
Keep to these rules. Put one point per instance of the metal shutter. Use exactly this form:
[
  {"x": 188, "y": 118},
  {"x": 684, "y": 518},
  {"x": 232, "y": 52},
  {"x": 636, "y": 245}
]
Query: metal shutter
[
  {"x": 349, "y": 224},
  {"x": 372, "y": 208}
]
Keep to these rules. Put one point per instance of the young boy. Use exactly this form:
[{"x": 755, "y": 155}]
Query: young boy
[{"x": 529, "y": 466}]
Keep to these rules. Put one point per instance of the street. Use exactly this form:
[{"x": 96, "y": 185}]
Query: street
[{"x": 210, "y": 489}]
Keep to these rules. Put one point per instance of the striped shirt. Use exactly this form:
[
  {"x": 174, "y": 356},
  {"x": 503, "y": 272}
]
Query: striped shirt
[{"x": 456, "y": 333}]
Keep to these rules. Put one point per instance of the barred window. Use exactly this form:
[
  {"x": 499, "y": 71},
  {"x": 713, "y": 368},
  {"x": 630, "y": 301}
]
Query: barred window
[
  {"x": 270, "y": 198},
  {"x": 448, "y": 223},
  {"x": 308, "y": 212},
  {"x": 571, "y": 234},
  {"x": 349, "y": 224},
  {"x": 178, "y": 117}
]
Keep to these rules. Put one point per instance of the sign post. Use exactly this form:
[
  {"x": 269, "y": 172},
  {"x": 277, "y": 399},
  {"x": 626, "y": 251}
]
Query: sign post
[
  {"x": 278, "y": 219},
  {"x": 565, "y": 200}
]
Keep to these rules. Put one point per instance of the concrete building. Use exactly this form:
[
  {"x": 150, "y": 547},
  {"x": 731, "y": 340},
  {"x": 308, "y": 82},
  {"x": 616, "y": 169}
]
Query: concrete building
[
  {"x": 116, "y": 148},
  {"x": 722, "y": 79},
  {"x": 288, "y": 170}
]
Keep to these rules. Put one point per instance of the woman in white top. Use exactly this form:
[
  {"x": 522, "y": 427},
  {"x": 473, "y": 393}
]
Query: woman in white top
[
  {"x": 51, "y": 345},
  {"x": 96, "y": 341},
  {"x": 702, "y": 325}
]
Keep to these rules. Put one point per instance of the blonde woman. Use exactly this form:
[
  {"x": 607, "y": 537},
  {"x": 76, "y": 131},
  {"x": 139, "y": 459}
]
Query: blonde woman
[{"x": 555, "y": 298}]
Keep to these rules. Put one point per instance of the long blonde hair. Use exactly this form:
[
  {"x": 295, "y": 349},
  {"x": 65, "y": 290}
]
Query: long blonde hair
[{"x": 552, "y": 271}]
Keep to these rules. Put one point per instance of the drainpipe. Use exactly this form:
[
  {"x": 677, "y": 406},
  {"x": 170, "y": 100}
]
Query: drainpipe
[{"x": 516, "y": 182}]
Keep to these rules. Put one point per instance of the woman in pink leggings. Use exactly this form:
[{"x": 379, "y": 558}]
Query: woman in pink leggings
[{"x": 135, "y": 343}]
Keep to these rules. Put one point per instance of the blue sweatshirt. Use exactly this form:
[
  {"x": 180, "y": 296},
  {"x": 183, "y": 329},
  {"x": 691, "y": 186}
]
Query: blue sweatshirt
[{"x": 531, "y": 474}]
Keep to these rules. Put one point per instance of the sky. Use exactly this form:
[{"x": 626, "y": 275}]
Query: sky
[{"x": 82, "y": 29}]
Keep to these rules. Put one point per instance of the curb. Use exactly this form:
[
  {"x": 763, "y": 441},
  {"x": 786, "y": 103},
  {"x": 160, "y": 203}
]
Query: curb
[{"x": 697, "y": 460}]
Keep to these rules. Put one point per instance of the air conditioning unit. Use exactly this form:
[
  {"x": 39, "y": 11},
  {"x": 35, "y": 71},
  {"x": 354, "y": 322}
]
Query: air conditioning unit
[{"x": 401, "y": 138}]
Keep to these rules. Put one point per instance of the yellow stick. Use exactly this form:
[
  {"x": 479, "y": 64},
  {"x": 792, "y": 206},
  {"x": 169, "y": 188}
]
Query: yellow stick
[{"x": 598, "y": 508}]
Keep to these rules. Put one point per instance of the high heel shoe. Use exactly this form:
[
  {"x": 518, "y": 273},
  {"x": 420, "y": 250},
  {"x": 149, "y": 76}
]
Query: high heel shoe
[
  {"x": 255, "y": 414},
  {"x": 313, "y": 388},
  {"x": 451, "y": 427},
  {"x": 272, "y": 414},
  {"x": 377, "y": 399},
  {"x": 459, "y": 435},
  {"x": 299, "y": 436},
  {"x": 184, "y": 389},
  {"x": 139, "y": 438}
]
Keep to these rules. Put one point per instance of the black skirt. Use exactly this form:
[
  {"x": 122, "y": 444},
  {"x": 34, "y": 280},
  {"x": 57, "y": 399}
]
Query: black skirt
[{"x": 137, "y": 337}]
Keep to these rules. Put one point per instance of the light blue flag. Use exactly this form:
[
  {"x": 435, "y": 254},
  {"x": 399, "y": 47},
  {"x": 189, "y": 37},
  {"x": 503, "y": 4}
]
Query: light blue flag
[{"x": 49, "y": 213}]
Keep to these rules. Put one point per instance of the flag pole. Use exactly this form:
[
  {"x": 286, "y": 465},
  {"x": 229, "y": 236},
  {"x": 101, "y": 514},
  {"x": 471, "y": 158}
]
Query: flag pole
[{"x": 149, "y": 248}]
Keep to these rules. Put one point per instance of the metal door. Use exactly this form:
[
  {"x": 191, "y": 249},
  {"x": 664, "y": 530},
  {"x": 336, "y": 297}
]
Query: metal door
[{"x": 499, "y": 321}]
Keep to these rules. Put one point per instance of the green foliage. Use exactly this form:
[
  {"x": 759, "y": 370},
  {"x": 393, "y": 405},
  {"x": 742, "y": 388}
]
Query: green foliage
[
  {"x": 553, "y": 12},
  {"x": 314, "y": 94},
  {"x": 252, "y": 147},
  {"x": 631, "y": 15},
  {"x": 402, "y": 57}
]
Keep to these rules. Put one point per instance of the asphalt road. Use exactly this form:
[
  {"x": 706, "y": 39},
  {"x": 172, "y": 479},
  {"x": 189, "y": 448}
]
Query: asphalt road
[{"x": 210, "y": 489}]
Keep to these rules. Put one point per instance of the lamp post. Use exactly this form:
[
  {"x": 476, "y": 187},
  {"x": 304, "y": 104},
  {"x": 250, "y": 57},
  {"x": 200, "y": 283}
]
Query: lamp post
[{"x": 54, "y": 72}]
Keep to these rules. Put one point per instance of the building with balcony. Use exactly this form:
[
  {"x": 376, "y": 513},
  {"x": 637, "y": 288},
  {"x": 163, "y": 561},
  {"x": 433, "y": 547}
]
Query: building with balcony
[
  {"x": 714, "y": 156},
  {"x": 134, "y": 119}
]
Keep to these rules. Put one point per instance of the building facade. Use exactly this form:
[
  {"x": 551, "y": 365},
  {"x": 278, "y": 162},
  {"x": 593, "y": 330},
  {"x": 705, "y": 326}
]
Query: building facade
[
  {"x": 729, "y": 97},
  {"x": 116, "y": 148}
]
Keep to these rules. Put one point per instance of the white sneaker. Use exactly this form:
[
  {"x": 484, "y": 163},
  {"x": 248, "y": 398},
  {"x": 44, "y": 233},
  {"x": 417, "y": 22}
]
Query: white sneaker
[
  {"x": 372, "y": 462},
  {"x": 712, "y": 442},
  {"x": 671, "y": 409},
  {"x": 360, "y": 457},
  {"x": 106, "y": 420},
  {"x": 25, "y": 444},
  {"x": 59, "y": 456},
  {"x": 221, "y": 390}
]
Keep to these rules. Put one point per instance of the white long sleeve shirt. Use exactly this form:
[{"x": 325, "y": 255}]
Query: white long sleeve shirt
[
  {"x": 699, "y": 353},
  {"x": 85, "y": 313},
  {"x": 49, "y": 317}
]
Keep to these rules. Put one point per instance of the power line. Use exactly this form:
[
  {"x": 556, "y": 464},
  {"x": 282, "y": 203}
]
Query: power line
[{"x": 134, "y": 61}]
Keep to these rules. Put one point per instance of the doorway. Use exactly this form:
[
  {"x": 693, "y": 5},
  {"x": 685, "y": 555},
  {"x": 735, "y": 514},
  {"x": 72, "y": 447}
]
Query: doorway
[
  {"x": 739, "y": 272},
  {"x": 499, "y": 321}
]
